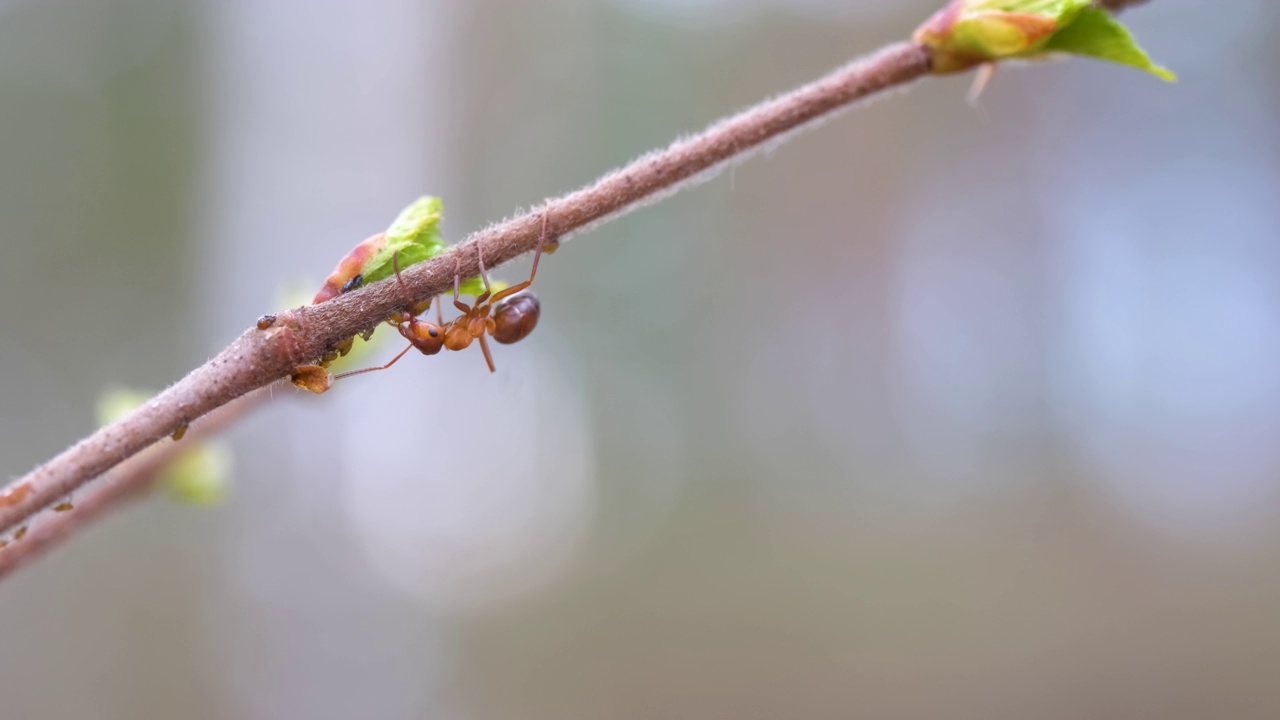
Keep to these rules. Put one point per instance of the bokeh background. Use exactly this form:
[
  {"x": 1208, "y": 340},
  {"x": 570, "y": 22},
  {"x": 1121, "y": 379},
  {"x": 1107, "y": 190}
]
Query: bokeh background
[{"x": 932, "y": 412}]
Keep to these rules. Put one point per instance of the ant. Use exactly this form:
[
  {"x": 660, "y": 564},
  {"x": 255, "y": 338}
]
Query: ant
[{"x": 508, "y": 315}]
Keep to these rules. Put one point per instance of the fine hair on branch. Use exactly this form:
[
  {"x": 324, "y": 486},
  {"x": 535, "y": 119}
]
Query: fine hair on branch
[
  {"x": 266, "y": 354},
  {"x": 298, "y": 337}
]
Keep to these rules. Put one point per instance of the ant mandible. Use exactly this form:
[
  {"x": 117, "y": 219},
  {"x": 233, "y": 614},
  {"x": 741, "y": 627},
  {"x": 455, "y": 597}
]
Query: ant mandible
[{"x": 508, "y": 315}]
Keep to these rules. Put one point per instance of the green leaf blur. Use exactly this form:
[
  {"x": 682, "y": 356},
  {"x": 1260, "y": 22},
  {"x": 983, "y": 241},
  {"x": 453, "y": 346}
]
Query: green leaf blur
[
  {"x": 966, "y": 33},
  {"x": 414, "y": 234},
  {"x": 114, "y": 403},
  {"x": 200, "y": 476},
  {"x": 1097, "y": 34}
]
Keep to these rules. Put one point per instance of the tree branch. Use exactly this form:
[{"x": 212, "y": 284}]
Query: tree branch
[
  {"x": 298, "y": 337},
  {"x": 131, "y": 479}
]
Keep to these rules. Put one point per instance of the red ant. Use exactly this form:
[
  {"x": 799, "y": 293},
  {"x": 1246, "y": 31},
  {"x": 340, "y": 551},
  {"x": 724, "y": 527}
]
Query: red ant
[{"x": 508, "y": 315}]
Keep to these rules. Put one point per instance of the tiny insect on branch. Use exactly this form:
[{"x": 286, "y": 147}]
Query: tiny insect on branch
[{"x": 507, "y": 315}]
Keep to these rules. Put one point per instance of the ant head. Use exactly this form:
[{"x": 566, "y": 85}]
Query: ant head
[
  {"x": 427, "y": 337},
  {"x": 515, "y": 317}
]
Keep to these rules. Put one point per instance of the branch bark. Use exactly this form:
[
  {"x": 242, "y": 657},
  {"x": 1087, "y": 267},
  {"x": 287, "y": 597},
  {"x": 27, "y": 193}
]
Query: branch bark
[
  {"x": 260, "y": 357},
  {"x": 132, "y": 479}
]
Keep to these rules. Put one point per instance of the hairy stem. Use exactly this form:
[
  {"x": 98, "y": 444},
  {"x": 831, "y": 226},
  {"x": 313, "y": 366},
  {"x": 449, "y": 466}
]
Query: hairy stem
[{"x": 259, "y": 357}]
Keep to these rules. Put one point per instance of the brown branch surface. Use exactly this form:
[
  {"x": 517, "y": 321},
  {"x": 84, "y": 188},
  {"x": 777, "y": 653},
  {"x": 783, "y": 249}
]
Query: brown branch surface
[
  {"x": 131, "y": 479},
  {"x": 298, "y": 337}
]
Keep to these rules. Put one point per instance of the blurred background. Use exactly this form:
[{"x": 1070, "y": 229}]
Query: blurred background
[{"x": 932, "y": 412}]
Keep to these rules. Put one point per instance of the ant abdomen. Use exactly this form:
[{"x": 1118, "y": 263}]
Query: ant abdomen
[{"x": 515, "y": 317}]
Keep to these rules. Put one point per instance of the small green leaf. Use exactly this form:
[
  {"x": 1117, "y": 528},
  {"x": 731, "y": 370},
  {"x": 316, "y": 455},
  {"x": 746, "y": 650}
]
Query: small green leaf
[
  {"x": 1098, "y": 35},
  {"x": 417, "y": 221},
  {"x": 966, "y": 33},
  {"x": 199, "y": 476},
  {"x": 415, "y": 235}
]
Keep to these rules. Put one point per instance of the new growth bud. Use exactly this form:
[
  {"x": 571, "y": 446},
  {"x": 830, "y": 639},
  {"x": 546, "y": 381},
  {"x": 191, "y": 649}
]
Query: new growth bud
[{"x": 966, "y": 33}]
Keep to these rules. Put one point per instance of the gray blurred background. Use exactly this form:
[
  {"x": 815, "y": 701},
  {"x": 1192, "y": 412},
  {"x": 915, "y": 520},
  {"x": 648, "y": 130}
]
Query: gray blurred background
[{"x": 930, "y": 413}]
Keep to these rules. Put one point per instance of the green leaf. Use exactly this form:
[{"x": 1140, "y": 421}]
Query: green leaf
[
  {"x": 415, "y": 235},
  {"x": 966, "y": 33},
  {"x": 199, "y": 476},
  {"x": 1098, "y": 35},
  {"x": 420, "y": 219}
]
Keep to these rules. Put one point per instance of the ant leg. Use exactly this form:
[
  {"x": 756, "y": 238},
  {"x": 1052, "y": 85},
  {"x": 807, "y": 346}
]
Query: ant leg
[
  {"x": 411, "y": 308},
  {"x": 537, "y": 255},
  {"x": 487, "y": 357},
  {"x": 395, "y": 263},
  {"x": 439, "y": 312},
  {"x": 483, "y": 275},
  {"x": 374, "y": 369},
  {"x": 457, "y": 279}
]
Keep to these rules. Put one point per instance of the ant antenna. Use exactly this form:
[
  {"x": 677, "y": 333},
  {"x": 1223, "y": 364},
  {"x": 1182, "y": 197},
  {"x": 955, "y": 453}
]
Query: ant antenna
[
  {"x": 484, "y": 275},
  {"x": 542, "y": 240},
  {"x": 374, "y": 369}
]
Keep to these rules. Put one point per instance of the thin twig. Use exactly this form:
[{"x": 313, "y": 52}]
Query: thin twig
[
  {"x": 133, "y": 478},
  {"x": 298, "y": 337},
  {"x": 666, "y": 171}
]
